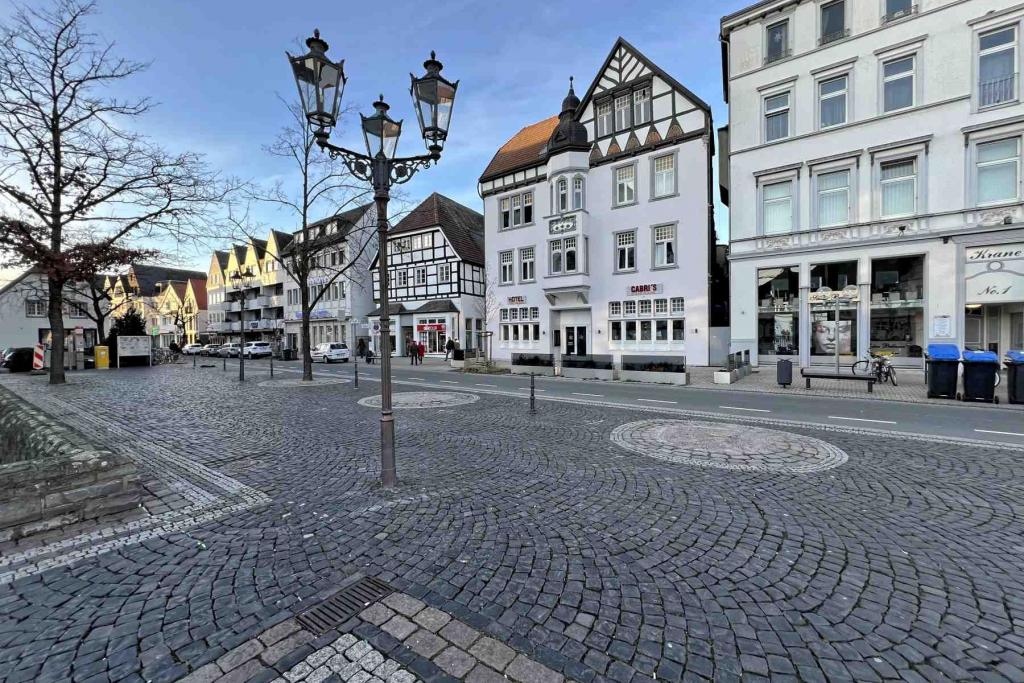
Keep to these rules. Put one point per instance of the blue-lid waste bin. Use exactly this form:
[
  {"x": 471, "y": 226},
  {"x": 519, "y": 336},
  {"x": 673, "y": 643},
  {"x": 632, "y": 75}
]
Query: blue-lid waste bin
[
  {"x": 1015, "y": 376},
  {"x": 943, "y": 368},
  {"x": 981, "y": 374}
]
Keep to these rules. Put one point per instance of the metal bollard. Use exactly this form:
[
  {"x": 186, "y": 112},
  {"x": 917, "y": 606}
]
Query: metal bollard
[
  {"x": 355, "y": 367},
  {"x": 533, "y": 399},
  {"x": 224, "y": 363},
  {"x": 194, "y": 360},
  {"x": 271, "y": 366}
]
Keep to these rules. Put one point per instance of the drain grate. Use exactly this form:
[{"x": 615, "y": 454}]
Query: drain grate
[{"x": 343, "y": 605}]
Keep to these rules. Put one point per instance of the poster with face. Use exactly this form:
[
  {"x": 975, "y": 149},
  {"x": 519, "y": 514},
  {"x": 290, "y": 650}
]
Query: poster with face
[{"x": 824, "y": 337}]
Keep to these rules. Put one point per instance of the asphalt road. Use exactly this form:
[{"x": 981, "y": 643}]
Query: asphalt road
[{"x": 976, "y": 422}]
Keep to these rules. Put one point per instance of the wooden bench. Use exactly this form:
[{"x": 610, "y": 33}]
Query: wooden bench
[{"x": 808, "y": 376}]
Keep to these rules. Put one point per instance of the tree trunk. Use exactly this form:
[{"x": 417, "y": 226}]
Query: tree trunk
[
  {"x": 56, "y": 315},
  {"x": 307, "y": 351}
]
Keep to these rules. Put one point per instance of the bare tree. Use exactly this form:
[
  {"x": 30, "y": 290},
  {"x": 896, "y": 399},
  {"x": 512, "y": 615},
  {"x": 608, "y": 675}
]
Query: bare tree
[
  {"x": 491, "y": 309},
  {"x": 82, "y": 186},
  {"x": 329, "y": 207}
]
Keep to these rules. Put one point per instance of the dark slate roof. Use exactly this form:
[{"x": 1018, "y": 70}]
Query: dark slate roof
[
  {"x": 261, "y": 247},
  {"x": 148, "y": 275},
  {"x": 222, "y": 258},
  {"x": 393, "y": 309},
  {"x": 437, "y": 306},
  {"x": 462, "y": 226},
  {"x": 346, "y": 221},
  {"x": 283, "y": 239}
]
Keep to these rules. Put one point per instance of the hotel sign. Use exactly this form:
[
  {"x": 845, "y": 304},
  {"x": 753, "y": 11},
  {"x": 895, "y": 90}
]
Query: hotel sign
[
  {"x": 559, "y": 226},
  {"x": 517, "y": 299},
  {"x": 650, "y": 288},
  {"x": 994, "y": 274}
]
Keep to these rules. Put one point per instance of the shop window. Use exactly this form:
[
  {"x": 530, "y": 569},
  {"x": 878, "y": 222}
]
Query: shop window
[
  {"x": 678, "y": 330},
  {"x": 897, "y": 306},
  {"x": 629, "y": 307},
  {"x": 536, "y": 331},
  {"x": 661, "y": 306},
  {"x": 614, "y": 309},
  {"x": 661, "y": 330},
  {"x": 645, "y": 306},
  {"x": 678, "y": 305},
  {"x": 778, "y": 316},
  {"x": 616, "y": 330},
  {"x": 630, "y": 330},
  {"x": 833, "y": 302},
  {"x": 645, "y": 330}
]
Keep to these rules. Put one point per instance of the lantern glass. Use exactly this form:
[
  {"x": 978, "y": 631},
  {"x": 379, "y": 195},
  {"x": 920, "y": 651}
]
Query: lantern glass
[
  {"x": 320, "y": 82},
  {"x": 381, "y": 132},
  {"x": 434, "y": 98}
]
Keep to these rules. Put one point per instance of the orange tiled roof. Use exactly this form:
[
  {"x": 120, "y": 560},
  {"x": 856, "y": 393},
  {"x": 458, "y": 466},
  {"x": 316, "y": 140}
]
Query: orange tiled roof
[{"x": 526, "y": 147}]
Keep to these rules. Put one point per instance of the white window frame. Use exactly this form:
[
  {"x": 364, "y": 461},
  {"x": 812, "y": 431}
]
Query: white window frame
[
  {"x": 615, "y": 186},
  {"x": 822, "y": 4},
  {"x": 604, "y": 121},
  {"x": 642, "y": 106},
  {"x": 420, "y": 273},
  {"x": 402, "y": 278},
  {"x": 555, "y": 247},
  {"x": 506, "y": 267},
  {"x": 579, "y": 194},
  {"x": 528, "y": 256},
  {"x": 673, "y": 240},
  {"x": 912, "y": 75},
  {"x": 916, "y": 179},
  {"x": 887, "y": 19},
  {"x": 766, "y": 113},
  {"x": 614, "y": 309},
  {"x": 620, "y": 247},
  {"x": 975, "y": 166},
  {"x": 851, "y": 202},
  {"x": 571, "y": 244},
  {"x": 794, "y": 182},
  {"x": 444, "y": 272},
  {"x": 677, "y": 305},
  {"x": 562, "y": 194},
  {"x": 629, "y": 308},
  {"x": 626, "y": 100},
  {"x": 979, "y": 53},
  {"x": 845, "y": 93},
  {"x": 787, "y": 49},
  {"x": 36, "y": 308},
  {"x": 673, "y": 188}
]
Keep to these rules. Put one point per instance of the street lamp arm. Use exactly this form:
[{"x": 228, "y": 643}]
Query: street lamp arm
[
  {"x": 403, "y": 169},
  {"x": 400, "y": 170}
]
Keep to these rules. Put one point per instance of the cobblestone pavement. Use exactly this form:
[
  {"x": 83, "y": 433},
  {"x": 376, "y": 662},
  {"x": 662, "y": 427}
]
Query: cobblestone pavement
[{"x": 522, "y": 547}]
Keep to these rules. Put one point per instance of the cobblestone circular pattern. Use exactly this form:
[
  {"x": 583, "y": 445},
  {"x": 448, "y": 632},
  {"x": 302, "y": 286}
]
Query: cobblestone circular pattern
[
  {"x": 317, "y": 382},
  {"x": 422, "y": 399},
  {"x": 727, "y": 446}
]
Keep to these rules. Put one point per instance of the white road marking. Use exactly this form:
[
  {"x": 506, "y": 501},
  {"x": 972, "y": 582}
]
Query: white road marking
[
  {"x": 861, "y": 419},
  {"x": 654, "y": 400},
  {"x": 576, "y": 393},
  {"x": 991, "y": 431},
  {"x": 416, "y": 379},
  {"x": 487, "y": 385},
  {"x": 752, "y": 410},
  {"x": 448, "y": 381},
  {"x": 528, "y": 388}
]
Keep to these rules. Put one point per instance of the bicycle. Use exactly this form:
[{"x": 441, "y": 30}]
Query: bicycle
[
  {"x": 877, "y": 364},
  {"x": 164, "y": 356}
]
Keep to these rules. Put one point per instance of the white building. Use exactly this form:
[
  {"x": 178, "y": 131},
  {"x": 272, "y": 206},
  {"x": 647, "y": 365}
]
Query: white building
[
  {"x": 599, "y": 223},
  {"x": 874, "y": 176},
  {"x": 143, "y": 287},
  {"x": 24, "y": 313},
  {"x": 435, "y": 277},
  {"x": 340, "y": 278}
]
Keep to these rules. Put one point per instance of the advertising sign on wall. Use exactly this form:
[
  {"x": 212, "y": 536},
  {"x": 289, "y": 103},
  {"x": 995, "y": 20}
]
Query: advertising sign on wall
[{"x": 994, "y": 274}]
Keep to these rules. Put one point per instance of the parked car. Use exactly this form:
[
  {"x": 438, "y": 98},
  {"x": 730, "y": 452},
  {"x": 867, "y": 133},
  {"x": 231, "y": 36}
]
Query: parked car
[
  {"x": 329, "y": 352},
  {"x": 18, "y": 359},
  {"x": 210, "y": 350},
  {"x": 228, "y": 350},
  {"x": 258, "y": 349},
  {"x": 191, "y": 349}
]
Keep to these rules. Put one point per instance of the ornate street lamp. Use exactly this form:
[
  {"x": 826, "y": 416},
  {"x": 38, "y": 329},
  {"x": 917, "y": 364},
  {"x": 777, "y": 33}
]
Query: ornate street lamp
[{"x": 320, "y": 82}]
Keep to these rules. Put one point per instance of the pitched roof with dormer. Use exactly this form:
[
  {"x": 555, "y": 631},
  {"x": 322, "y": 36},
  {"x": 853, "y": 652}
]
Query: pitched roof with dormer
[{"x": 462, "y": 226}]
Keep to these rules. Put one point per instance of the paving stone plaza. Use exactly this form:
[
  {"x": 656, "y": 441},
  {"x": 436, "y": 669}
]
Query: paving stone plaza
[{"x": 586, "y": 542}]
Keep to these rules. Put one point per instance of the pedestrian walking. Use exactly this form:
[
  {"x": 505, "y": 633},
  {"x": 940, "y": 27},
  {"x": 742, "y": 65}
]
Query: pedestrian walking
[
  {"x": 422, "y": 349},
  {"x": 361, "y": 348},
  {"x": 449, "y": 347},
  {"x": 410, "y": 350}
]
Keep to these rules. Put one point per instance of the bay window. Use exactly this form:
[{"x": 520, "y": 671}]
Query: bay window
[
  {"x": 515, "y": 211},
  {"x": 998, "y": 171}
]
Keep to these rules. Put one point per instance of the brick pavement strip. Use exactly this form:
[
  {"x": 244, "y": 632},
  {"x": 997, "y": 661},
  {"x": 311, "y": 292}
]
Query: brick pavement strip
[{"x": 537, "y": 532}]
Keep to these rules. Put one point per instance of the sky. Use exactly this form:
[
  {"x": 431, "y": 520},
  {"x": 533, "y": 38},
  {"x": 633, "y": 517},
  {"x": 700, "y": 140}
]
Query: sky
[{"x": 218, "y": 68}]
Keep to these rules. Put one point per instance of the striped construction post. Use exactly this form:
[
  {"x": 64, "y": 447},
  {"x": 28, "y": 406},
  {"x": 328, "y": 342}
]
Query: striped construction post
[{"x": 38, "y": 358}]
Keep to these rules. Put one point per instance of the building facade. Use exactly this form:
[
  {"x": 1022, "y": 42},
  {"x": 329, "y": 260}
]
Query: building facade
[
  {"x": 143, "y": 287},
  {"x": 874, "y": 177},
  {"x": 600, "y": 227},
  {"x": 339, "y": 281},
  {"x": 24, "y": 313},
  {"x": 435, "y": 278}
]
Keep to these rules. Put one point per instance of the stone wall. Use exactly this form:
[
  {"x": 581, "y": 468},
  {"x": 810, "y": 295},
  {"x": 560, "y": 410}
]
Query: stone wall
[{"x": 51, "y": 476}]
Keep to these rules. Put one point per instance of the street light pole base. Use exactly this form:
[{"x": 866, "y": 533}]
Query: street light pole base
[{"x": 388, "y": 477}]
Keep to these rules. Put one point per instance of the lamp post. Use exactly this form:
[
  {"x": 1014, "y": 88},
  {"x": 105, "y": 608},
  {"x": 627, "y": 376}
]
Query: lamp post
[
  {"x": 321, "y": 83},
  {"x": 241, "y": 280}
]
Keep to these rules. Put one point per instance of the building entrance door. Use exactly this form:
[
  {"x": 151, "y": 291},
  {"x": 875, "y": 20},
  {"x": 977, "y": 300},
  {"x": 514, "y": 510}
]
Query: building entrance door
[{"x": 576, "y": 340}]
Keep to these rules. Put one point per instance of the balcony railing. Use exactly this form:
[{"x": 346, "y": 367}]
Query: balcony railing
[
  {"x": 274, "y": 301},
  {"x": 899, "y": 14},
  {"x": 776, "y": 56},
  {"x": 254, "y": 304},
  {"x": 834, "y": 36},
  {"x": 997, "y": 91},
  {"x": 232, "y": 306}
]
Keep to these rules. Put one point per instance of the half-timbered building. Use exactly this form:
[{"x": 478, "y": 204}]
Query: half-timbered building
[
  {"x": 435, "y": 277},
  {"x": 600, "y": 226}
]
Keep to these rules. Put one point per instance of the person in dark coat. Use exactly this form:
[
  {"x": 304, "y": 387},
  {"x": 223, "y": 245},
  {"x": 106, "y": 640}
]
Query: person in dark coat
[{"x": 449, "y": 347}]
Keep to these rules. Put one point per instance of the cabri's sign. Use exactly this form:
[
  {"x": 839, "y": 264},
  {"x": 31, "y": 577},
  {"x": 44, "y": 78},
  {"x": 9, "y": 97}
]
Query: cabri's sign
[{"x": 649, "y": 288}]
